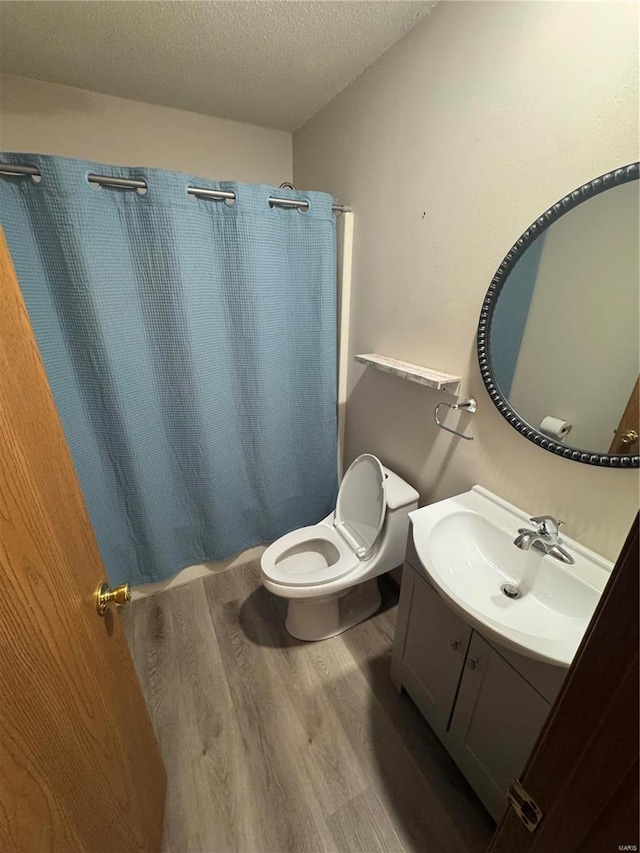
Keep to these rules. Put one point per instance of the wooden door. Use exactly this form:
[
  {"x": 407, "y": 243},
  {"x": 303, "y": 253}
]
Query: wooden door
[
  {"x": 583, "y": 771},
  {"x": 626, "y": 437},
  {"x": 80, "y": 768}
]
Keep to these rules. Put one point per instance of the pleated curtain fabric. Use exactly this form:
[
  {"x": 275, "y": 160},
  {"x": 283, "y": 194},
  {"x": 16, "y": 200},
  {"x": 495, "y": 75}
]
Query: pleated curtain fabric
[{"x": 190, "y": 345}]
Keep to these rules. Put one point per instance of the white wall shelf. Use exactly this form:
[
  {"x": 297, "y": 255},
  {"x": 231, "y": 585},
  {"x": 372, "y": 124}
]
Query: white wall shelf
[{"x": 413, "y": 372}]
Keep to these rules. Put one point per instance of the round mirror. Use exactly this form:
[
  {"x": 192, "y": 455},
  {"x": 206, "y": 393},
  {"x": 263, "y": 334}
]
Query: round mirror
[{"x": 558, "y": 339}]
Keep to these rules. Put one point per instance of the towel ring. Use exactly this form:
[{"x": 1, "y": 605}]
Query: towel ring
[{"x": 470, "y": 405}]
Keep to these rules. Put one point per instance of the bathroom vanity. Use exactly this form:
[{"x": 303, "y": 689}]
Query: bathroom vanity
[
  {"x": 487, "y": 705},
  {"x": 484, "y": 698}
]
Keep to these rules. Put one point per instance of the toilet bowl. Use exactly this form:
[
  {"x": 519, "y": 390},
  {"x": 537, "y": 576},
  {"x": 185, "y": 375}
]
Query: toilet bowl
[{"x": 328, "y": 570}]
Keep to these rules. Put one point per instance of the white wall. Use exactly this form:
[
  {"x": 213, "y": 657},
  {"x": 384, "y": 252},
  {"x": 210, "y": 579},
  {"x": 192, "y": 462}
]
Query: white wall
[
  {"x": 448, "y": 147},
  {"x": 578, "y": 358},
  {"x": 47, "y": 118}
]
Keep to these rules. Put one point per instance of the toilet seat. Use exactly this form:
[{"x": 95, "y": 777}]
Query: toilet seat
[
  {"x": 327, "y": 551},
  {"x": 307, "y": 556}
]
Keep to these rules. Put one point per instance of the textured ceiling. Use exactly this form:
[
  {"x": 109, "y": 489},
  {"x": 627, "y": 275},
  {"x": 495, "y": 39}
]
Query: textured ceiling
[{"x": 268, "y": 63}]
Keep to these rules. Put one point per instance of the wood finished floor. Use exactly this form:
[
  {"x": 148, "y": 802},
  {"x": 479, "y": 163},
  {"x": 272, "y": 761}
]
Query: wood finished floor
[{"x": 275, "y": 745}]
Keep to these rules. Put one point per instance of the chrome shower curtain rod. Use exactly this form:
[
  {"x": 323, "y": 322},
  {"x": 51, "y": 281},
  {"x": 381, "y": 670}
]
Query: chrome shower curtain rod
[{"x": 16, "y": 171}]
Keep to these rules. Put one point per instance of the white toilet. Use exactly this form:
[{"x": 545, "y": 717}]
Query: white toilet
[{"x": 328, "y": 571}]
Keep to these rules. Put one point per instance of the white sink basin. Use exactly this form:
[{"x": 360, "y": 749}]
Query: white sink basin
[{"x": 465, "y": 545}]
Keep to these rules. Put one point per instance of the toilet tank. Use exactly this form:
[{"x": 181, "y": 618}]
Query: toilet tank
[
  {"x": 401, "y": 500},
  {"x": 400, "y": 495}
]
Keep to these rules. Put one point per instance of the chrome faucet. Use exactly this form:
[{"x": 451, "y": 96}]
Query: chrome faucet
[{"x": 545, "y": 538}]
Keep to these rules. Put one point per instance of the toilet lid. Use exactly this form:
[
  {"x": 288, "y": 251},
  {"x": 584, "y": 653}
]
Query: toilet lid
[{"x": 361, "y": 504}]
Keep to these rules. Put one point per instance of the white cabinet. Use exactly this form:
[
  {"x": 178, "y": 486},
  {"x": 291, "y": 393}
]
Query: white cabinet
[
  {"x": 433, "y": 654},
  {"x": 495, "y": 723},
  {"x": 485, "y": 706}
]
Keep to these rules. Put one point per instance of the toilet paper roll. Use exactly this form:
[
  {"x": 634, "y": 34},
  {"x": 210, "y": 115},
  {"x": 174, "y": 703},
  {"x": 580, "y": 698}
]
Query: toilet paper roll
[{"x": 555, "y": 427}]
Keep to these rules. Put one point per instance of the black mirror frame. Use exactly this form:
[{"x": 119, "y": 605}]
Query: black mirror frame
[{"x": 586, "y": 191}]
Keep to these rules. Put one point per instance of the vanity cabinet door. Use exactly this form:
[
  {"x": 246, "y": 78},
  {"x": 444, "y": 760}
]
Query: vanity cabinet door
[
  {"x": 496, "y": 721},
  {"x": 432, "y": 657}
]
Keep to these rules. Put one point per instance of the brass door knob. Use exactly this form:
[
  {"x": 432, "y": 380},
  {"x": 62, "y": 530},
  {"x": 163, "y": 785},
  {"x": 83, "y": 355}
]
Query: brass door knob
[
  {"x": 629, "y": 437},
  {"x": 104, "y": 596}
]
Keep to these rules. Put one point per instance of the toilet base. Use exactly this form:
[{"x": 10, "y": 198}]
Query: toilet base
[{"x": 326, "y": 616}]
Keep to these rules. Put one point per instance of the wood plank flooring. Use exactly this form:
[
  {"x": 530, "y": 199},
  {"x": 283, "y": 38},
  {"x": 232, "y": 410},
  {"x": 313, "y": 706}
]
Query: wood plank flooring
[{"x": 273, "y": 745}]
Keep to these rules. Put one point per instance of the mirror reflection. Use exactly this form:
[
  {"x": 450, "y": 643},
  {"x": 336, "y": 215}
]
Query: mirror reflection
[{"x": 563, "y": 341}]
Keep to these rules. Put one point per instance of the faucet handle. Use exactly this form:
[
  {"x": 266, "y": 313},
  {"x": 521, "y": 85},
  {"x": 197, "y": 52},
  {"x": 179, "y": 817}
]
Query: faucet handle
[{"x": 548, "y": 524}]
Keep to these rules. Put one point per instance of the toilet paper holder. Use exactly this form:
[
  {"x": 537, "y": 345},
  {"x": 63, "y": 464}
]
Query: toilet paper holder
[{"x": 470, "y": 405}]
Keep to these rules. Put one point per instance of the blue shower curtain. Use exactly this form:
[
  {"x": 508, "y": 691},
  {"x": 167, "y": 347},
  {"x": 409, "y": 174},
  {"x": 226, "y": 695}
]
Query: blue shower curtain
[{"x": 190, "y": 345}]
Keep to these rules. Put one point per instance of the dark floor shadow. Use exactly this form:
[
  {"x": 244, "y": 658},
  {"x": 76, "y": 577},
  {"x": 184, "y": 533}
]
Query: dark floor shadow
[
  {"x": 262, "y": 617},
  {"x": 388, "y": 593},
  {"x": 262, "y": 607}
]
